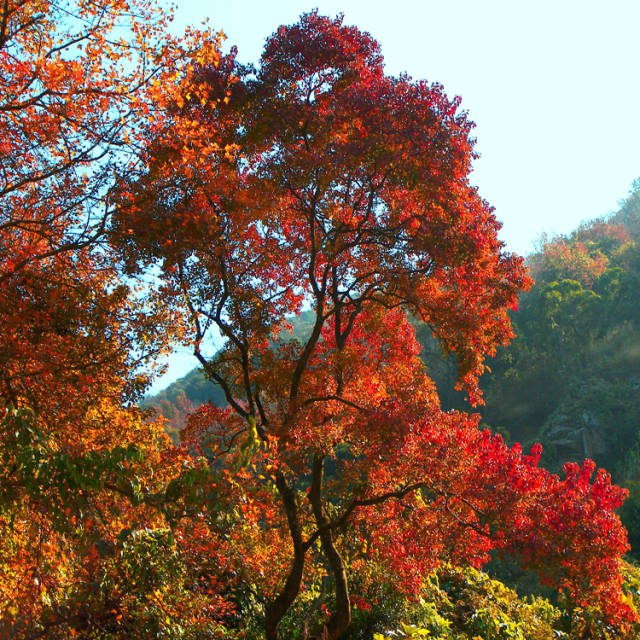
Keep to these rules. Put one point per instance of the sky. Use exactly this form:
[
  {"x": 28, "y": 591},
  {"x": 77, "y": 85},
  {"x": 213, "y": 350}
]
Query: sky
[{"x": 551, "y": 85}]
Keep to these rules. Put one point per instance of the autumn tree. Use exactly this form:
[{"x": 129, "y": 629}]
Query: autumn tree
[
  {"x": 316, "y": 181},
  {"x": 78, "y": 80}
]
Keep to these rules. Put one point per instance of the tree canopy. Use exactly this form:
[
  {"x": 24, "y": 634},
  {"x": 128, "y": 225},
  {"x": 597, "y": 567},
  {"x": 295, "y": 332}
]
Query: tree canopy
[
  {"x": 344, "y": 190},
  {"x": 239, "y": 196}
]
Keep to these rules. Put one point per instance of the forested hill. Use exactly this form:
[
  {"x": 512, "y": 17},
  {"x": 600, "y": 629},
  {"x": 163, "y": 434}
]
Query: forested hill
[{"x": 571, "y": 377}]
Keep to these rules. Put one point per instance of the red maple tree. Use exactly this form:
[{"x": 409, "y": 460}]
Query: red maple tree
[{"x": 317, "y": 181}]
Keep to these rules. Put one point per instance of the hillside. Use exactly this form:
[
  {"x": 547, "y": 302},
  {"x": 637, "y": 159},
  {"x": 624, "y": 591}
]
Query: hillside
[
  {"x": 571, "y": 377},
  {"x": 574, "y": 366}
]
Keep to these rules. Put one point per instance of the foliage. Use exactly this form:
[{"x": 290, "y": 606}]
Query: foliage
[
  {"x": 464, "y": 604},
  {"x": 345, "y": 191},
  {"x": 78, "y": 80},
  {"x": 233, "y": 198}
]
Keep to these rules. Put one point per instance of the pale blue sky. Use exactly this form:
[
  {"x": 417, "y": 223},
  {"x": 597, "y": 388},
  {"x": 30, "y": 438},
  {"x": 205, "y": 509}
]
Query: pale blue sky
[{"x": 552, "y": 86}]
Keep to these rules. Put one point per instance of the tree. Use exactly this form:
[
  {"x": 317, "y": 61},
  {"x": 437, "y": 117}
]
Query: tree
[
  {"x": 316, "y": 181},
  {"x": 78, "y": 80}
]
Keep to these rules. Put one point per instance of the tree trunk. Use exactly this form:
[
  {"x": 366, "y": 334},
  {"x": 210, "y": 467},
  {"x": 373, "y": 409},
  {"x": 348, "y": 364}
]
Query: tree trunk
[
  {"x": 341, "y": 617},
  {"x": 278, "y": 607}
]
